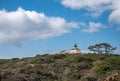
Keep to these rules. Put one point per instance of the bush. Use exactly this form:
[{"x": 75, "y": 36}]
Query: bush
[
  {"x": 14, "y": 59},
  {"x": 113, "y": 62},
  {"x": 88, "y": 78},
  {"x": 100, "y": 67},
  {"x": 77, "y": 75},
  {"x": 70, "y": 59},
  {"x": 91, "y": 78},
  {"x": 88, "y": 62},
  {"x": 60, "y": 67}
]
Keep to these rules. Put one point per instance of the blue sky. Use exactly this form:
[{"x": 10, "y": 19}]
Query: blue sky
[{"x": 30, "y": 27}]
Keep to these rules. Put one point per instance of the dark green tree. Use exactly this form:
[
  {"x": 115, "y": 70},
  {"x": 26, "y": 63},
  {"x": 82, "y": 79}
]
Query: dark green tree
[
  {"x": 102, "y": 48},
  {"x": 92, "y": 48},
  {"x": 98, "y": 48},
  {"x": 107, "y": 48}
]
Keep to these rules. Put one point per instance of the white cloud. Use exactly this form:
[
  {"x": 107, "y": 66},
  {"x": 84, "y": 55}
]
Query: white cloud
[
  {"x": 117, "y": 51},
  {"x": 97, "y": 7},
  {"x": 93, "y": 27},
  {"x": 17, "y": 26},
  {"x": 78, "y": 4},
  {"x": 114, "y": 17},
  {"x": 86, "y": 51}
]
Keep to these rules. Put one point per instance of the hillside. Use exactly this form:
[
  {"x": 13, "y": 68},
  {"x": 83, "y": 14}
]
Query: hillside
[{"x": 60, "y": 67}]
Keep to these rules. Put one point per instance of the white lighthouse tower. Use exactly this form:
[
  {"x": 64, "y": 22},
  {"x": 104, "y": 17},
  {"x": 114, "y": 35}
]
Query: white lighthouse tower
[{"x": 75, "y": 50}]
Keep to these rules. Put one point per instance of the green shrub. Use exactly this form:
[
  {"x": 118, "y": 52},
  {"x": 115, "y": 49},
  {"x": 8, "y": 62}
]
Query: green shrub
[
  {"x": 60, "y": 67},
  {"x": 76, "y": 75},
  {"x": 113, "y": 62},
  {"x": 82, "y": 66},
  {"x": 70, "y": 59},
  {"x": 88, "y": 62},
  {"x": 14, "y": 59},
  {"x": 100, "y": 67}
]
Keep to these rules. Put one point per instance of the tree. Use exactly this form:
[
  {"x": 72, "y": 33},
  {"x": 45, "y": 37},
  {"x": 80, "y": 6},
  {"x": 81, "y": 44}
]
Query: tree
[
  {"x": 102, "y": 48},
  {"x": 92, "y": 48},
  {"x": 98, "y": 48},
  {"x": 107, "y": 48}
]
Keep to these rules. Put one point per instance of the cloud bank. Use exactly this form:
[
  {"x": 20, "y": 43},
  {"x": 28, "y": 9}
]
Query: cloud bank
[
  {"x": 114, "y": 17},
  {"x": 20, "y": 25},
  {"x": 96, "y": 7},
  {"x": 93, "y": 27}
]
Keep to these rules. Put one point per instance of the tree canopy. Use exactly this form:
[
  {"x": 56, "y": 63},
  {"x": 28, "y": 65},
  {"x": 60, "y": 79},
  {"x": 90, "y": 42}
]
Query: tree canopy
[{"x": 102, "y": 48}]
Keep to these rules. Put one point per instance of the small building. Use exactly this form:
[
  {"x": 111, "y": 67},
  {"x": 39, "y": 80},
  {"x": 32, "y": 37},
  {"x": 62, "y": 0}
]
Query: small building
[
  {"x": 75, "y": 50},
  {"x": 64, "y": 52}
]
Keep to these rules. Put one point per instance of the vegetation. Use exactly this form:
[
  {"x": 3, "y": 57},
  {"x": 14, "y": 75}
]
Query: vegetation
[
  {"x": 102, "y": 48},
  {"x": 60, "y": 67}
]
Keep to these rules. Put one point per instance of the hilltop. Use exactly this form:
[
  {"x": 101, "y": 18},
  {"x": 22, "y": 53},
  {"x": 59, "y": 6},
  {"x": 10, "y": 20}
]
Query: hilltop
[{"x": 60, "y": 67}]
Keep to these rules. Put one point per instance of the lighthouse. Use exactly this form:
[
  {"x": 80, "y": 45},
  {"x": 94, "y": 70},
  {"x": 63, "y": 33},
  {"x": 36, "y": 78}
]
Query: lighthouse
[{"x": 75, "y": 50}]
